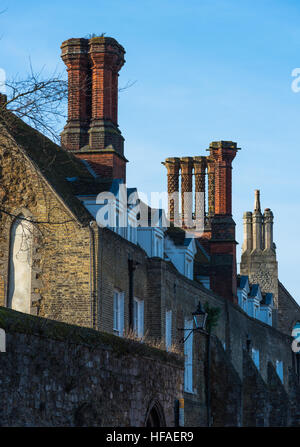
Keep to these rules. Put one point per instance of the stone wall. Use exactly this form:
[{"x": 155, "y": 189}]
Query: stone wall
[
  {"x": 288, "y": 312},
  {"x": 61, "y": 250},
  {"x": 262, "y": 269},
  {"x": 233, "y": 379},
  {"x": 255, "y": 395},
  {"x": 226, "y": 390},
  {"x": 54, "y": 374}
]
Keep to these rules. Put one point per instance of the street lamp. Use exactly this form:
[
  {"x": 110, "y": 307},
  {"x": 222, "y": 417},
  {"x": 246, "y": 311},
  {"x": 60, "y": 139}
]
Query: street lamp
[{"x": 200, "y": 317}]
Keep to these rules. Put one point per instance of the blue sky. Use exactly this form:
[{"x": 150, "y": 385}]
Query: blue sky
[{"x": 206, "y": 70}]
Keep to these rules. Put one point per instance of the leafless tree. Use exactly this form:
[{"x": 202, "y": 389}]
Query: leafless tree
[{"x": 39, "y": 100}]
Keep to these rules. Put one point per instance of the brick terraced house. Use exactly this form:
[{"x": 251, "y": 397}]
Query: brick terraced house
[{"x": 58, "y": 263}]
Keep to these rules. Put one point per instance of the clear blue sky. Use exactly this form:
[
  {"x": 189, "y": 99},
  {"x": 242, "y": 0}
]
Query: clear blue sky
[{"x": 206, "y": 70}]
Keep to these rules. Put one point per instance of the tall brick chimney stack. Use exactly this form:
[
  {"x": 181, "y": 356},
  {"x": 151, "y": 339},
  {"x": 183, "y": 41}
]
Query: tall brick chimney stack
[
  {"x": 222, "y": 242},
  {"x": 186, "y": 165},
  {"x": 223, "y": 153},
  {"x": 173, "y": 166},
  {"x": 75, "y": 56},
  {"x": 92, "y": 131}
]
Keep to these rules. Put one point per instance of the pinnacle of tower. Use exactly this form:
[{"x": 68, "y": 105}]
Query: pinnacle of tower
[{"x": 257, "y": 207}]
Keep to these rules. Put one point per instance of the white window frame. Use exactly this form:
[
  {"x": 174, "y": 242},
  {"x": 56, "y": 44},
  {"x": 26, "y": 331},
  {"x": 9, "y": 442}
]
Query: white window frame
[
  {"x": 255, "y": 357},
  {"x": 279, "y": 369},
  {"x": 158, "y": 246},
  {"x": 168, "y": 329},
  {"x": 118, "y": 313},
  {"x": 188, "y": 357},
  {"x": 138, "y": 317}
]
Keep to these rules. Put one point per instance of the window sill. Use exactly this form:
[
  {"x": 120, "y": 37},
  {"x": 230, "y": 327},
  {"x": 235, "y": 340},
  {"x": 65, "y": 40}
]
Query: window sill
[{"x": 189, "y": 392}]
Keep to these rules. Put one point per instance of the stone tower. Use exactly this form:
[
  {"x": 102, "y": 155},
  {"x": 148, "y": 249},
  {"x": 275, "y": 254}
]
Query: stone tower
[
  {"x": 258, "y": 260},
  {"x": 92, "y": 132}
]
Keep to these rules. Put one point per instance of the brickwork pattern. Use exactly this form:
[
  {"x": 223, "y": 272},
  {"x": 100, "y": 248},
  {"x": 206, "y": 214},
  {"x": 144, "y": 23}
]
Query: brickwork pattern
[
  {"x": 107, "y": 165},
  {"x": 173, "y": 166},
  {"x": 186, "y": 165}
]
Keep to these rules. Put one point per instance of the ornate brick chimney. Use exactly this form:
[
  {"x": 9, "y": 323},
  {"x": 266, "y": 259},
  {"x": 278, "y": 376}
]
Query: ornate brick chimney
[
  {"x": 186, "y": 165},
  {"x": 75, "y": 56},
  {"x": 173, "y": 166},
  {"x": 222, "y": 242},
  {"x": 92, "y": 131},
  {"x": 218, "y": 237}
]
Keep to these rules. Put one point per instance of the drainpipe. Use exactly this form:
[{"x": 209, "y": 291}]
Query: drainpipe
[
  {"x": 92, "y": 276},
  {"x": 131, "y": 268}
]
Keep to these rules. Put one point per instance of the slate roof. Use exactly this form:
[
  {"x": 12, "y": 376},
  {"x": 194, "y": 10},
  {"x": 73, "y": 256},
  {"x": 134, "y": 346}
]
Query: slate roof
[
  {"x": 267, "y": 299},
  {"x": 242, "y": 281},
  {"x": 177, "y": 235},
  {"x": 254, "y": 290}
]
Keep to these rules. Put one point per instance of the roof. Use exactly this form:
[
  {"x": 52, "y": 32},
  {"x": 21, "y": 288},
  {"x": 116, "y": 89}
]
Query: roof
[
  {"x": 65, "y": 173},
  {"x": 255, "y": 291},
  {"x": 242, "y": 281},
  {"x": 178, "y": 236},
  {"x": 267, "y": 299},
  {"x": 201, "y": 260}
]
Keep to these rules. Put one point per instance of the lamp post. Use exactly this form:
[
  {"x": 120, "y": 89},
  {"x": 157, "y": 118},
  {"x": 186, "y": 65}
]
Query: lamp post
[{"x": 200, "y": 319}]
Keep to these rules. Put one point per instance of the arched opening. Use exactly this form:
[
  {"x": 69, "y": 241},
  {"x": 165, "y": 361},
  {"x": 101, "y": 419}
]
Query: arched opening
[
  {"x": 155, "y": 416},
  {"x": 20, "y": 261}
]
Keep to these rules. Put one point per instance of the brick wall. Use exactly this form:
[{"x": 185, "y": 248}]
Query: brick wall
[{"x": 109, "y": 165}]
